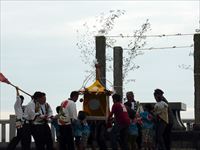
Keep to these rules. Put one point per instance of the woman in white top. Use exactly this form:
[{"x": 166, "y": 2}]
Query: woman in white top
[{"x": 161, "y": 112}]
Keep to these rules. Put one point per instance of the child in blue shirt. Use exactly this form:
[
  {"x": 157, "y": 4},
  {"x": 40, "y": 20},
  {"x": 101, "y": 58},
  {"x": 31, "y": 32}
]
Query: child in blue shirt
[
  {"x": 148, "y": 130},
  {"x": 81, "y": 131},
  {"x": 133, "y": 129}
]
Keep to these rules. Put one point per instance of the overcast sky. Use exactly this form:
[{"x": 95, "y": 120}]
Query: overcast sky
[{"x": 39, "y": 52}]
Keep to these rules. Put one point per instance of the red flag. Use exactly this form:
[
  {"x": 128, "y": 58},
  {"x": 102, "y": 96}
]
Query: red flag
[{"x": 4, "y": 79}]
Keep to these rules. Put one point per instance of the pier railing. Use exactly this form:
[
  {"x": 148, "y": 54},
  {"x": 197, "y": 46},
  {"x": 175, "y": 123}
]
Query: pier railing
[
  {"x": 8, "y": 129},
  {"x": 183, "y": 135}
]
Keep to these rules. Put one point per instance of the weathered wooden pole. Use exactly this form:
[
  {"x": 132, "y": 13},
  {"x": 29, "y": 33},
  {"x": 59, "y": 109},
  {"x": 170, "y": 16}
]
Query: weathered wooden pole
[
  {"x": 101, "y": 56},
  {"x": 197, "y": 81},
  {"x": 118, "y": 71}
]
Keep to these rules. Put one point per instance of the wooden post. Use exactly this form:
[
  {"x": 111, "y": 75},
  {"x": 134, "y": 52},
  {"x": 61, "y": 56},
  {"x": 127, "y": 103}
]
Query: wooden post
[
  {"x": 118, "y": 71},
  {"x": 101, "y": 56},
  {"x": 197, "y": 81}
]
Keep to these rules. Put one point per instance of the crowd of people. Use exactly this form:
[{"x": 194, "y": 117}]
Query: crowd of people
[
  {"x": 138, "y": 127},
  {"x": 129, "y": 125}
]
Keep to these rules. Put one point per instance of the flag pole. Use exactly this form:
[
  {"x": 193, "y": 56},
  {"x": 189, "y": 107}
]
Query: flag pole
[
  {"x": 21, "y": 90},
  {"x": 5, "y": 80}
]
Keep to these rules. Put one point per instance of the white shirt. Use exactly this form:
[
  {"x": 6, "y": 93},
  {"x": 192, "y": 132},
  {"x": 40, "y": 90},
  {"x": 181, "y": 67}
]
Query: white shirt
[
  {"x": 69, "y": 111},
  {"x": 43, "y": 110},
  {"x": 159, "y": 106},
  {"x": 161, "y": 109},
  {"x": 18, "y": 108},
  {"x": 30, "y": 111},
  {"x": 35, "y": 116},
  {"x": 133, "y": 105}
]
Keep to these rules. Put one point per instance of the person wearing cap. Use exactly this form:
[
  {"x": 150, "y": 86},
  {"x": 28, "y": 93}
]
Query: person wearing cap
[{"x": 40, "y": 112}]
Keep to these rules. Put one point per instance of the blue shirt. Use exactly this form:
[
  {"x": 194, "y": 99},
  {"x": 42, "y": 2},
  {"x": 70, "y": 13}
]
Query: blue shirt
[
  {"x": 147, "y": 120},
  {"x": 133, "y": 129},
  {"x": 81, "y": 129}
]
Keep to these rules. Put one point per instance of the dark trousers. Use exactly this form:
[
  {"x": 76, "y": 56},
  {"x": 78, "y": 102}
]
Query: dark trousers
[
  {"x": 119, "y": 134},
  {"x": 160, "y": 130},
  {"x": 42, "y": 136},
  {"x": 139, "y": 137},
  {"x": 66, "y": 137},
  {"x": 23, "y": 135},
  {"x": 100, "y": 135},
  {"x": 167, "y": 136}
]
